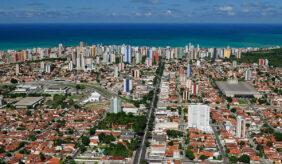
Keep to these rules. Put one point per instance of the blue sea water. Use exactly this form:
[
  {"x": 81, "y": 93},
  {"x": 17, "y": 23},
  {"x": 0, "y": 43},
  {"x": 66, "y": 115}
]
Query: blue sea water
[{"x": 22, "y": 36}]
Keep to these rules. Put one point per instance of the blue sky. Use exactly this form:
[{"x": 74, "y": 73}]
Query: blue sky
[{"x": 141, "y": 11}]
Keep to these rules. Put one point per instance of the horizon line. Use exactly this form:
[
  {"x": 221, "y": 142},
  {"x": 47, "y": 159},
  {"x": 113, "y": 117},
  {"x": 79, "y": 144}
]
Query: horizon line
[{"x": 148, "y": 23}]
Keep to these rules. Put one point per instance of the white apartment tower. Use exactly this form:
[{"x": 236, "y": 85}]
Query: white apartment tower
[
  {"x": 115, "y": 105},
  {"x": 241, "y": 127},
  {"x": 199, "y": 117}
]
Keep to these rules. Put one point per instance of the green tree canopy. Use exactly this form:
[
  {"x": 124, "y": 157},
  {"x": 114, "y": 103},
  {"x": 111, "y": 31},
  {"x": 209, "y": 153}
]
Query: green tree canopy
[
  {"x": 244, "y": 158},
  {"x": 189, "y": 154}
]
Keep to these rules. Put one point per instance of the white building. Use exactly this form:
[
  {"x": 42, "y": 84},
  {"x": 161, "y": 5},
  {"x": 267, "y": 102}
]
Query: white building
[
  {"x": 116, "y": 72},
  {"x": 115, "y": 105},
  {"x": 93, "y": 98},
  {"x": 248, "y": 75},
  {"x": 70, "y": 66},
  {"x": 56, "y": 90},
  {"x": 17, "y": 69},
  {"x": 130, "y": 110},
  {"x": 48, "y": 68},
  {"x": 241, "y": 127},
  {"x": 199, "y": 117},
  {"x": 1, "y": 100}
]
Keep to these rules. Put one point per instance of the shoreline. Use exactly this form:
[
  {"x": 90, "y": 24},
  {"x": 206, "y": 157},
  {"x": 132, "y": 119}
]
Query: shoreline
[{"x": 149, "y": 46}]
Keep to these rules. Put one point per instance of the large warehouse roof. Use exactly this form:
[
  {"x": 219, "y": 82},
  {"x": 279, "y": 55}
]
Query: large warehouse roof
[{"x": 233, "y": 88}]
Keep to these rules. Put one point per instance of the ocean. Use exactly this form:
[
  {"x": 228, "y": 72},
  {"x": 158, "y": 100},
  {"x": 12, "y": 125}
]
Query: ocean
[{"x": 22, "y": 36}]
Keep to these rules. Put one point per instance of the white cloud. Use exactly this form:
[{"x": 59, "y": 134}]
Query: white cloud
[
  {"x": 168, "y": 12},
  {"x": 138, "y": 14},
  {"x": 148, "y": 14},
  {"x": 229, "y": 10}
]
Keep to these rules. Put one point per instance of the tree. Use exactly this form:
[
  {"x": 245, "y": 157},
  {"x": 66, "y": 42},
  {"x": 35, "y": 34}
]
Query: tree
[
  {"x": 203, "y": 157},
  {"x": 174, "y": 133},
  {"x": 92, "y": 131},
  {"x": 233, "y": 159},
  {"x": 278, "y": 136},
  {"x": 80, "y": 87},
  {"x": 134, "y": 144},
  {"x": 241, "y": 143},
  {"x": 2, "y": 161},
  {"x": 8, "y": 154},
  {"x": 229, "y": 99},
  {"x": 85, "y": 140},
  {"x": 82, "y": 148},
  {"x": 14, "y": 81},
  {"x": 233, "y": 110},
  {"x": 32, "y": 137},
  {"x": 24, "y": 151},
  {"x": 69, "y": 131},
  {"x": 116, "y": 150},
  {"x": 28, "y": 113},
  {"x": 42, "y": 157},
  {"x": 58, "y": 142},
  {"x": 103, "y": 138},
  {"x": 244, "y": 158},
  {"x": 189, "y": 154},
  {"x": 2, "y": 150}
]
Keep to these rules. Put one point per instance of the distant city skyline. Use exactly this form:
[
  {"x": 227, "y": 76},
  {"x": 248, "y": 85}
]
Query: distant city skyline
[{"x": 141, "y": 11}]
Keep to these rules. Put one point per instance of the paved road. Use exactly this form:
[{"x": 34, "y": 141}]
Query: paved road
[
  {"x": 141, "y": 152},
  {"x": 221, "y": 149}
]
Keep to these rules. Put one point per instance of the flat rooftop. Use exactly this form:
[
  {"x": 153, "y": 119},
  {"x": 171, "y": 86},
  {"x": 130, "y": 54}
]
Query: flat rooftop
[
  {"x": 236, "y": 88},
  {"x": 29, "y": 101}
]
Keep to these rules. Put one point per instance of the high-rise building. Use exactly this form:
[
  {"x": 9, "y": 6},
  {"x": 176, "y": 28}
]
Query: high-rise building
[
  {"x": 234, "y": 63},
  {"x": 88, "y": 64},
  {"x": 227, "y": 53},
  {"x": 81, "y": 44},
  {"x": 266, "y": 62},
  {"x": 189, "y": 84},
  {"x": 261, "y": 62},
  {"x": 156, "y": 57},
  {"x": 199, "y": 117},
  {"x": 127, "y": 55},
  {"x": 115, "y": 105},
  {"x": 17, "y": 69},
  {"x": 116, "y": 72},
  {"x": 214, "y": 55},
  {"x": 138, "y": 58},
  {"x": 121, "y": 66},
  {"x": 70, "y": 66},
  {"x": 60, "y": 49},
  {"x": 241, "y": 127},
  {"x": 1, "y": 100},
  {"x": 198, "y": 63},
  {"x": 127, "y": 85},
  {"x": 42, "y": 66},
  {"x": 185, "y": 95},
  {"x": 78, "y": 62},
  {"x": 189, "y": 70},
  {"x": 239, "y": 54},
  {"x": 82, "y": 62},
  {"x": 136, "y": 73},
  {"x": 248, "y": 75},
  {"x": 48, "y": 68},
  {"x": 195, "y": 88}
]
